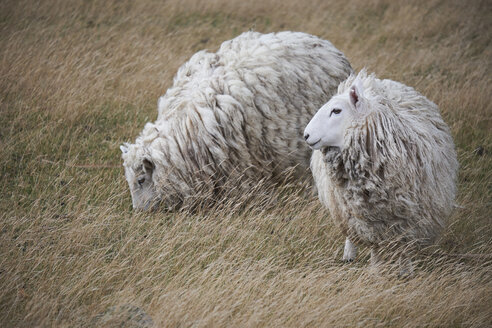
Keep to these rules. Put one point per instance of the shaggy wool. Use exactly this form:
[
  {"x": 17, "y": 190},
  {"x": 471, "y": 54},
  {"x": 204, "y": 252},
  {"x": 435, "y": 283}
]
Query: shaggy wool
[
  {"x": 394, "y": 179},
  {"x": 240, "y": 110}
]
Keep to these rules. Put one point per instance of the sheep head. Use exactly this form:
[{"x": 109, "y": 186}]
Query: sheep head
[
  {"x": 139, "y": 172},
  {"x": 328, "y": 126}
]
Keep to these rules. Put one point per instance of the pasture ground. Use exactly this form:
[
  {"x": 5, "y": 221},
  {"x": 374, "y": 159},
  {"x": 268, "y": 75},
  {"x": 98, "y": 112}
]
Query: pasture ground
[{"x": 78, "y": 78}]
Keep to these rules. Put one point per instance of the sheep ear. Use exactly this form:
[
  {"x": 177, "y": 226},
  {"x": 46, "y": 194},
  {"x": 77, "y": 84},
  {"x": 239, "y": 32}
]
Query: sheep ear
[
  {"x": 124, "y": 148},
  {"x": 148, "y": 166},
  {"x": 356, "y": 92}
]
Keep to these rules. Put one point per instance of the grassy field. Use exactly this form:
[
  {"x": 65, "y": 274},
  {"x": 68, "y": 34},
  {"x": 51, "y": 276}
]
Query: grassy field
[{"x": 78, "y": 78}]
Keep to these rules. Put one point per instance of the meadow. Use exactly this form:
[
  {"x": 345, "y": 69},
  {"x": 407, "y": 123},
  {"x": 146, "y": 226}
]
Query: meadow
[{"x": 79, "y": 78}]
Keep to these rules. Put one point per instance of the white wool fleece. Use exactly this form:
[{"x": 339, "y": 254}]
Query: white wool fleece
[
  {"x": 242, "y": 109},
  {"x": 391, "y": 178}
]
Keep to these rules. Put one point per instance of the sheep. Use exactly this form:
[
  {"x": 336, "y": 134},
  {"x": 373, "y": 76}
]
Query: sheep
[
  {"x": 241, "y": 109},
  {"x": 384, "y": 165}
]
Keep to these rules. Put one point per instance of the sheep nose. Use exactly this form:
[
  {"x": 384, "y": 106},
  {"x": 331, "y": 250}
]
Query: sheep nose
[{"x": 306, "y": 136}]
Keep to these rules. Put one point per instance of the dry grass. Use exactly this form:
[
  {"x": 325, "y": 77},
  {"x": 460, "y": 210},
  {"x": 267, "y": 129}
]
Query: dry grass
[{"x": 77, "y": 78}]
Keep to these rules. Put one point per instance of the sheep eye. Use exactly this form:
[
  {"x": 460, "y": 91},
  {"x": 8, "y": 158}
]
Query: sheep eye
[
  {"x": 141, "y": 181},
  {"x": 336, "y": 111}
]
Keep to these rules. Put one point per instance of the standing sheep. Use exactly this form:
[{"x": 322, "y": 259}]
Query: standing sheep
[
  {"x": 384, "y": 165},
  {"x": 240, "y": 110}
]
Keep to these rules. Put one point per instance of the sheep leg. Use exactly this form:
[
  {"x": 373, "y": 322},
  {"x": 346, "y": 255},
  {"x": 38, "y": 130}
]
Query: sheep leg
[
  {"x": 375, "y": 260},
  {"x": 349, "y": 251},
  {"x": 405, "y": 266}
]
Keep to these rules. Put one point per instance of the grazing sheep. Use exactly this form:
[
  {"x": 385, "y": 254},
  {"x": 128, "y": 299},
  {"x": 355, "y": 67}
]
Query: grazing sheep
[
  {"x": 384, "y": 165},
  {"x": 240, "y": 110}
]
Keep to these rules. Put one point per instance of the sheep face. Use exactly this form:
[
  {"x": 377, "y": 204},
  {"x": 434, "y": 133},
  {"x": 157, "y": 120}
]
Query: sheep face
[
  {"x": 140, "y": 181},
  {"x": 327, "y": 128}
]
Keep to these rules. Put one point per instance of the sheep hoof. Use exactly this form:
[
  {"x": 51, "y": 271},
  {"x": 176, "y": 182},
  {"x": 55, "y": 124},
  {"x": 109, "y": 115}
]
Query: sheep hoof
[{"x": 349, "y": 251}]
